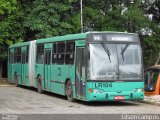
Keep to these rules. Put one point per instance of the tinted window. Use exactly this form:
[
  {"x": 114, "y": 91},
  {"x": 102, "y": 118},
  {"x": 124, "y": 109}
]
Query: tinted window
[
  {"x": 69, "y": 57},
  {"x": 11, "y": 57},
  {"x": 70, "y": 46},
  {"x": 27, "y": 54},
  {"x": 54, "y": 54},
  {"x": 17, "y": 55},
  {"x": 40, "y": 54},
  {"x": 63, "y": 52},
  {"x": 60, "y": 53},
  {"x": 61, "y": 47}
]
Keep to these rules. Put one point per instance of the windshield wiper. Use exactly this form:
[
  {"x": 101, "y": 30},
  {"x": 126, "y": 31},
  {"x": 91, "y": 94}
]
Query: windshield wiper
[
  {"x": 107, "y": 51},
  {"x": 123, "y": 50}
]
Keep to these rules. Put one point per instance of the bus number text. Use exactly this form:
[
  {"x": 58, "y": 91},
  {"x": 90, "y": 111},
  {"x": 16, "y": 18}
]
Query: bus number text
[{"x": 103, "y": 85}]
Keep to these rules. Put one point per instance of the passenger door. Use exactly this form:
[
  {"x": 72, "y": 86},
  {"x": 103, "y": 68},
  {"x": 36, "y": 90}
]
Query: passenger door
[
  {"x": 24, "y": 66},
  {"x": 80, "y": 73},
  {"x": 47, "y": 67}
]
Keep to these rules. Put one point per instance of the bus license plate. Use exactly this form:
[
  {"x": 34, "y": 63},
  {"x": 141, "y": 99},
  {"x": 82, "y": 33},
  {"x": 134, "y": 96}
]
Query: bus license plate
[{"x": 119, "y": 97}]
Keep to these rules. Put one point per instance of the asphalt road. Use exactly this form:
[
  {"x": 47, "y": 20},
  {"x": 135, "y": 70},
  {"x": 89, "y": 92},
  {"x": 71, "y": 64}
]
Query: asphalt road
[{"x": 24, "y": 100}]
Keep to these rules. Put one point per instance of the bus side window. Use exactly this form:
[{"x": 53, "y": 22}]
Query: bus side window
[
  {"x": 27, "y": 52},
  {"x": 11, "y": 57},
  {"x": 70, "y": 49},
  {"x": 17, "y": 55},
  {"x": 60, "y": 53},
  {"x": 40, "y": 54},
  {"x": 54, "y": 53}
]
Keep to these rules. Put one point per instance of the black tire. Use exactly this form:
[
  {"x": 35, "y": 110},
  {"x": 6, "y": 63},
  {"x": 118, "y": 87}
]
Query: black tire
[
  {"x": 39, "y": 85},
  {"x": 69, "y": 91},
  {"x": 16, "y": 80}
]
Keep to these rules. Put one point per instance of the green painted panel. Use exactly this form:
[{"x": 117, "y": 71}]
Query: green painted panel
[
  {"x": 58, "y": 88},
  {"x": 39, "y": 70},
  {"x": 23, "y": 48},
  {"x": 59, "y": 74},
  {"x": 81, "y": 43},
  {"x": 24, "y": 74},
  {"x": 47, "y": 76},
  {"x": 27, "y": 76},
  {"x": 17, "y": 69},
  {"x": 19, "y": 44},
  {"x": 49, "y": 45},
  {"x": 64, "y": 38}
]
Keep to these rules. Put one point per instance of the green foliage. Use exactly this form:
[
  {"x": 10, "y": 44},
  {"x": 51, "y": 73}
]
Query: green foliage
[
  {"x": 151, "y": 45},
  {"x": 103, "y": 16},
  {"x": 47, "y": 18},
  {"x": 33, "y": 19},
  {"x": 10, "y": 27}
]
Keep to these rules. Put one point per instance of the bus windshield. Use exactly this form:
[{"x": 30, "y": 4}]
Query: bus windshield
[{"x": 122, "y": 62}]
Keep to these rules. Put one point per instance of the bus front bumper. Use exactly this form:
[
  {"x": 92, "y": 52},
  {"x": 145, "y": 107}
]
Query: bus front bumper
[{"x": 115, "y": 96}]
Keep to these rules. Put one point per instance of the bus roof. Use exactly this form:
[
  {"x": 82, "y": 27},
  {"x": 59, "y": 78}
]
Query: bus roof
[{"x": 79, "y": 36}]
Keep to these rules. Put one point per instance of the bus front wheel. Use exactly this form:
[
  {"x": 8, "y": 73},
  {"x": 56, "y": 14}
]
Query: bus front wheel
[
  {"x": 39, "y": 85},
  {"x": 69, "y": 91}
]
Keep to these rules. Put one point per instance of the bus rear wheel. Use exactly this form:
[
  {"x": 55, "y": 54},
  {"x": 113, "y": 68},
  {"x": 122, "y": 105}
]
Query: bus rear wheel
[
  {"x": 69, "y": 91},
  {"x": 39, "y": 85}
]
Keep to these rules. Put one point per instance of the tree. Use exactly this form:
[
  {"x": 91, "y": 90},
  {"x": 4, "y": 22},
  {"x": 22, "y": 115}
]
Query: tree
[
  {"x": 46, "y": 18},
  {"x": 152, "y": 42},
  {"x": 112, "y": 15},
  {"x": 10, "y": 26}
]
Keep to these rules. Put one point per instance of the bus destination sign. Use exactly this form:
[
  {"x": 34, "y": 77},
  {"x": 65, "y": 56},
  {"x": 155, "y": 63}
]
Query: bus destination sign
[{"x": 113, "y": 37}]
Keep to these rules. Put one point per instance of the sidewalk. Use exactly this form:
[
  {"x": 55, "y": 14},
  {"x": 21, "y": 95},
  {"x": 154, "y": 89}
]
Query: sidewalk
[
  {"x": 155, "y": 99},
  {"x": 4, "y": 82}
]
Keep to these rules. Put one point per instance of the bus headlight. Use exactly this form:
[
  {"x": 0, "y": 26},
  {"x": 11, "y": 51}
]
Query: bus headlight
[
  {"x": 101, "y": 91},
  {"x": 139, "y": 90},
  {"x": 134, "y": 90},
  {"x": 95, "y": 91}
]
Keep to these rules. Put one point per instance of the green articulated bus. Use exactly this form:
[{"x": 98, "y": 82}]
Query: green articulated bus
[{"x": 92, "y": 66}]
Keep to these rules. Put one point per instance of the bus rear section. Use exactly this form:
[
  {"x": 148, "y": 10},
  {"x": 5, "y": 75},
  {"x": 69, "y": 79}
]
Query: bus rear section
[
  {"x": 152, "y": 80},
  {"x": 21, "y": 64},
  {"x": 111, "y": 68}
]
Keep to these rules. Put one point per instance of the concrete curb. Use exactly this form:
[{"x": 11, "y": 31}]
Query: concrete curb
[{"x": 7, "y": 85}]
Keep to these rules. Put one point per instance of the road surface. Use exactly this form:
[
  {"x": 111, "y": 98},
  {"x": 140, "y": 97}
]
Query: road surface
[{"x": 23, "y": 100}]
